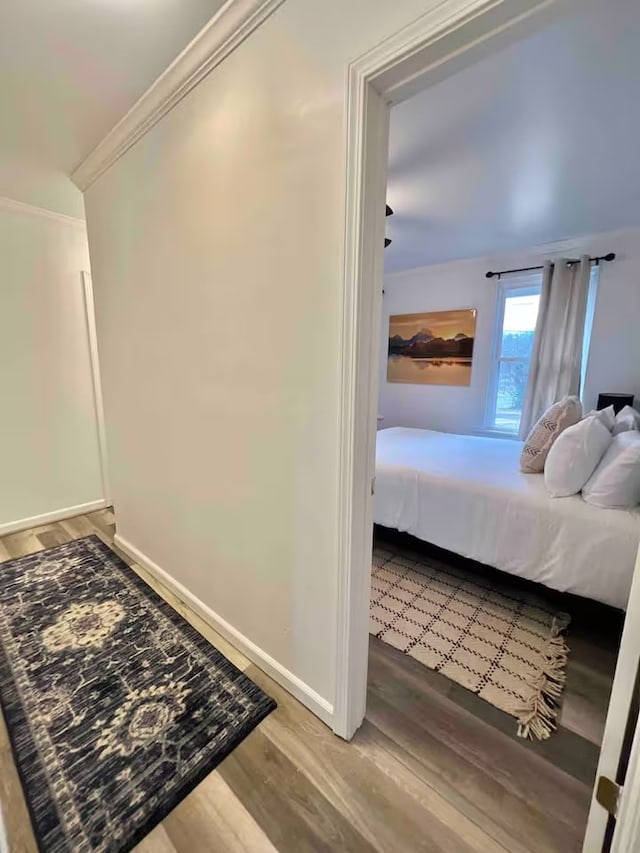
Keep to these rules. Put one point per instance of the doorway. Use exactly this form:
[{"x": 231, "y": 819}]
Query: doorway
[{"x": 392, "y": 74}]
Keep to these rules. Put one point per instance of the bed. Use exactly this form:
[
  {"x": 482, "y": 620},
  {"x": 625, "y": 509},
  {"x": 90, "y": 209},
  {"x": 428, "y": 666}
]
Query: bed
[{"x": 467, "y": 494}]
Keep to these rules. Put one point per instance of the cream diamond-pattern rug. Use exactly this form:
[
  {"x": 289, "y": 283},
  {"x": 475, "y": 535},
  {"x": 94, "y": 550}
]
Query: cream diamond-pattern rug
[{"x": 504, "y": 644}]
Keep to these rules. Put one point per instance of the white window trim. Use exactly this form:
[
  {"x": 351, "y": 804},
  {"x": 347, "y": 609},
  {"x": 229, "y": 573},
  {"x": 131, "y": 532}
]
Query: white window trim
[{"x": 524, "y": 282}]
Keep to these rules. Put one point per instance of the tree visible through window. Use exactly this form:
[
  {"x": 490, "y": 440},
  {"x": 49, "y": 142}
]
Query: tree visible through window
[
  {"x": 518, "y": 315},
  {"x": 518, "y": 305}
]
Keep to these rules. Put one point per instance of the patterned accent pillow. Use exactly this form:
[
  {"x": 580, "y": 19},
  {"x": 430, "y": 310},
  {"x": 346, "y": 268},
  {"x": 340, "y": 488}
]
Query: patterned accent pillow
[{"x": 557, "y": 418}]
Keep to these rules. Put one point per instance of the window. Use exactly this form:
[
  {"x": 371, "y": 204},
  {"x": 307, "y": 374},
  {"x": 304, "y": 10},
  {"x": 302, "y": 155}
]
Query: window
[
  {"x": 588, "y": 323},
  {"x": 518, "y": 302},
  {"x": 517, "y": 315}
]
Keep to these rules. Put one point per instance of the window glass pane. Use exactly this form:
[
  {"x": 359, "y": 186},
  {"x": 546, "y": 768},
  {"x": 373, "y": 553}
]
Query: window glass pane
[
  {"x": 512, "y": 386},
  {"x": 514, "y": 345},
  {"x": 588, "y": 324},
  {"x": 518, "y": 328}
]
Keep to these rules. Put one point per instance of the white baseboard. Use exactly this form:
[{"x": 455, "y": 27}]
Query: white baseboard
[
  {"x": 50, "y": 517},
  {"x": 305, "y": 694}
]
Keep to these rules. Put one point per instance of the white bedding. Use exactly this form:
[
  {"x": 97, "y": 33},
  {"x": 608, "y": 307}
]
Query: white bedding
[{"x": 467, "y": 494}]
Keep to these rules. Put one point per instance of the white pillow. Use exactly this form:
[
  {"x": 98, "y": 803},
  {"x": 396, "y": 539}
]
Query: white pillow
[
  {"x": 574, "y": 456},
  {"x": 606, "y": 416},
  {"x": 627, "y": 418},
  {"x": 616, "y": 480}
]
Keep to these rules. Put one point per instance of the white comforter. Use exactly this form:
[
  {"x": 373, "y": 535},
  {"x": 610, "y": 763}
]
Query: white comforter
[{"x": 467, "y": 494}]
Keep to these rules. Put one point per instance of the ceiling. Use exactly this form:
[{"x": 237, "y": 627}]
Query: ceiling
[
  {"x": 534, "y": 144},
  {"x": 70, "y": 69}
]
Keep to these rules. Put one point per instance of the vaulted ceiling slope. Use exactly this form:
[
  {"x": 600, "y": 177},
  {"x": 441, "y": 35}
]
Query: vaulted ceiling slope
[
  {"x": 537, "y": 143},
  {"x": 70, "y": 69}
]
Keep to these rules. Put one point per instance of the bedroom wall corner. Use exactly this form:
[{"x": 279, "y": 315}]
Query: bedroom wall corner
[{"x": 49, "y": 452}]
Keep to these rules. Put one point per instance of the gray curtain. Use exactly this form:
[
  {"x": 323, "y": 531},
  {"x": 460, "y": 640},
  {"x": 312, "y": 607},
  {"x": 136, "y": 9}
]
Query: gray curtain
[{"x": 556, "y": 359}]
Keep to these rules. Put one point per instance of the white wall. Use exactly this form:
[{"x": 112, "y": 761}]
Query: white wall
[
  {"x": 25, "y": 179},
  {"x": 615, "y": 346},
  {"x": 614, "y": 357},
  {"x": 216, "y": 247},
  {"x": 49, "y": 458},
  {"x": 461, "y": 284}
]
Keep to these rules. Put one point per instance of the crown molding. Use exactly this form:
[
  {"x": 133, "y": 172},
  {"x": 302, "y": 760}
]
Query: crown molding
[
  {"x": 12, "y": 206},
  {"x": 228, "y": 28}
]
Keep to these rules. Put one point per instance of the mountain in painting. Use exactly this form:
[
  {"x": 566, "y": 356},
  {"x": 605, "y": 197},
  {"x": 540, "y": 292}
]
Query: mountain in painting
[{"x": 425, "y": 346}]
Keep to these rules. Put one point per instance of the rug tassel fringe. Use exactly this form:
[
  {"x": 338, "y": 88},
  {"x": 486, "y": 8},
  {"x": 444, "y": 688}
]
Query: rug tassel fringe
[{"x": 538, "y": 719}]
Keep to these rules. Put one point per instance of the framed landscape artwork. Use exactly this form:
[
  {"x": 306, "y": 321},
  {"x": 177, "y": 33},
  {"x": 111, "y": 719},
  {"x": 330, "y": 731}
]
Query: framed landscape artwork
[{"x": 434, "y": 348}]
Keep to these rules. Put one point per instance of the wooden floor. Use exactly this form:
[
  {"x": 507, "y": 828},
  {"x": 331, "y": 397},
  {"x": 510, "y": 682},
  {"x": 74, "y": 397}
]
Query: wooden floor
[{"x": 433, "y": 768}]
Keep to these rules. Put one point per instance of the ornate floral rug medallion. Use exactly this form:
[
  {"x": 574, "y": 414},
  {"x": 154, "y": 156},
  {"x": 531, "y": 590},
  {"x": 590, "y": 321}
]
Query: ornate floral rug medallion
[{"x": 116, "y": 707}]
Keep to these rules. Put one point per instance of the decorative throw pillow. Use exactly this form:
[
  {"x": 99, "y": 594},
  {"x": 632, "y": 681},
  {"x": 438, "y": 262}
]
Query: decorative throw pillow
[
  {"x": 574, "y": 456},
  {"x": 626, "y": 419},
  {"x": 616, "y": 480},
  {"x": 557, "y": 418}
]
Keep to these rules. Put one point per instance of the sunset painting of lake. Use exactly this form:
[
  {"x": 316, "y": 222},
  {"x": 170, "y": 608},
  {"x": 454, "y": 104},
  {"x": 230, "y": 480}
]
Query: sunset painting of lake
[{"x": 434, "y": 348}]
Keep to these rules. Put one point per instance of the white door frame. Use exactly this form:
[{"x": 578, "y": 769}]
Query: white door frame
[
  {"x": 628, "y": 821},
  {"x": 453, "y": 35},
  {"x": 627, "y": 835},
  {"x": 90, "y": 316}
]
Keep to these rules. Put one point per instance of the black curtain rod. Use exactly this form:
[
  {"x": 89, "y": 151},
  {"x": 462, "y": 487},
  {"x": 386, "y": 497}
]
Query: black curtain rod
[{"x": 610, "y": 256}]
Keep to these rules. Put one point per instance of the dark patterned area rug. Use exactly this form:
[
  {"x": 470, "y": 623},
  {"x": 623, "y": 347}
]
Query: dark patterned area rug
[
  {"x": 500, "y": 642},
  {"x": 116, "y": 707}
]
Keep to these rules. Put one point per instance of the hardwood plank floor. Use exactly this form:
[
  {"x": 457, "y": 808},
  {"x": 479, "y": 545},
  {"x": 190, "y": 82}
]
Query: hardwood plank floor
[
  {"x": 593, "y": 638},
  {"x": 433, "y": 768}
]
